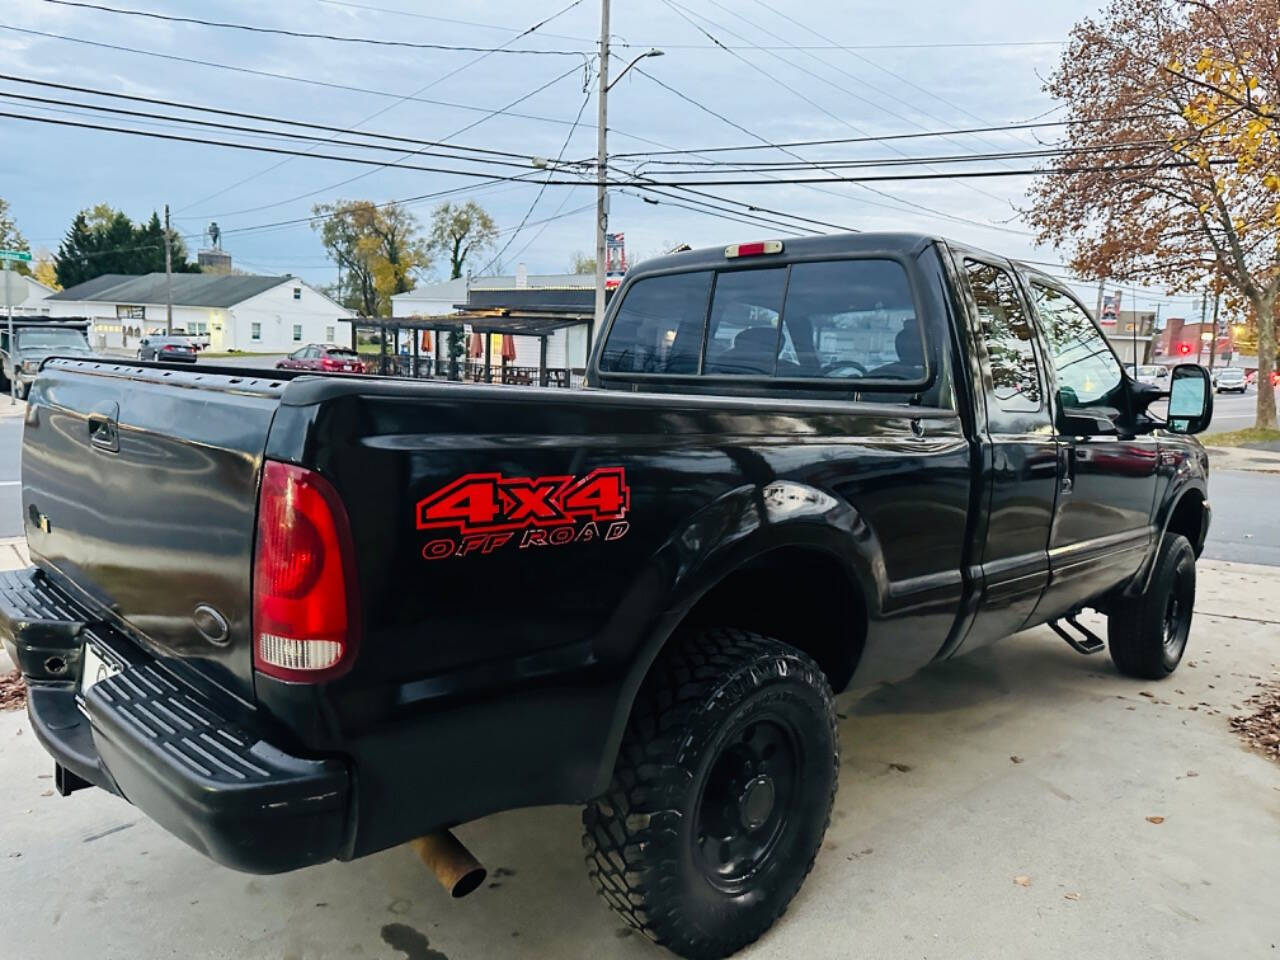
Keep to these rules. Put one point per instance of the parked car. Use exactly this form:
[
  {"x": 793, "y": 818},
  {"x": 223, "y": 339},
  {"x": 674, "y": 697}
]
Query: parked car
[
  {"x": 799, "y": 466},
  {"x": 1153, "y": 373},
  {"x": 167, "y": 349},
  {"x": 323, "y": 358},
  {"x": 1230, "y": 378},
  {"x": 34, "y": 341}
]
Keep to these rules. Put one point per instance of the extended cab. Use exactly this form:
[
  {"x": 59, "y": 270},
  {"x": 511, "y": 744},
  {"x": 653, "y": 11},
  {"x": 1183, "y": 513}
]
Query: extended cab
[{"x": 296, "y": 618}]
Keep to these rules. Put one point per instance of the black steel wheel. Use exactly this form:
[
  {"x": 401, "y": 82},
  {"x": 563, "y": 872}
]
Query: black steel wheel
[
  {"x": 721, "y": 794},
  {"x": 1147, "y": 635}
]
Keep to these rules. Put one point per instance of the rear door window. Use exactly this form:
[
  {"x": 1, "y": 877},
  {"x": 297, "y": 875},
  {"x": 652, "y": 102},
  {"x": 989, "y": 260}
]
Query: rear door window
[
  {"x": 658, "y": 328},
  {"x": 742, "y": 335},
  {"x": 851, "y": 319}
]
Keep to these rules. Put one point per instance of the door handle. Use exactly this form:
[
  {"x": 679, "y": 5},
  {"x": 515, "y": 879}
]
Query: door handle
[{"x": 104, "y": 429}]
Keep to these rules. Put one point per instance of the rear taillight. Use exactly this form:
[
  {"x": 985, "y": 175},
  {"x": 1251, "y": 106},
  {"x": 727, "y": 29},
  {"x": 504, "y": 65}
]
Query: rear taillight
[
  {"x": 306, "y": 625},
  {"x": 327, "y": 364}
]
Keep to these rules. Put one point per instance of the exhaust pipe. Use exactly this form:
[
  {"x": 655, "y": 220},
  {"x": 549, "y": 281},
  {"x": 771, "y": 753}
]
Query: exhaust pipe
[{"x": 452, "y": 863}]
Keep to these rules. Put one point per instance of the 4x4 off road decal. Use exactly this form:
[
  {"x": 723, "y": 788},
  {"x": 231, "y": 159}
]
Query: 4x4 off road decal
[{"x": 486, "y": 511}]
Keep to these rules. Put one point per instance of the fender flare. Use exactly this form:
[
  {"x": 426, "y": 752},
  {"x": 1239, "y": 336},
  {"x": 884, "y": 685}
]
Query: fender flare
[
  {"x": 742, "y": 525},
  {"x": 1164, "y": 514}
]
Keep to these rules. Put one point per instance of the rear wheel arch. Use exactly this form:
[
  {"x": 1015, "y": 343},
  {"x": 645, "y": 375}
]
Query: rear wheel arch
[{"x": 832, "y": 632}]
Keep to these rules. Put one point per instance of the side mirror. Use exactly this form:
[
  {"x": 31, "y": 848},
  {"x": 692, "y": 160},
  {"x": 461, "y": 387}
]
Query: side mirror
[{"x": 1190, "y": 399}]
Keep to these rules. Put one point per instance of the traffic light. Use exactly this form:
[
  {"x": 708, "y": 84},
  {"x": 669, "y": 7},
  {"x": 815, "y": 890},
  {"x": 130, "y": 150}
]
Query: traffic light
[{"x": 1184, "y": 348}]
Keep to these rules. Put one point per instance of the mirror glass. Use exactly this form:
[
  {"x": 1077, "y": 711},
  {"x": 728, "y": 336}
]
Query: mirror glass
[{"x": 1190, "y": 399}]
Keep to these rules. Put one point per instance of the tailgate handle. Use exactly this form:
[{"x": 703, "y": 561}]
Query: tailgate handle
[{"x": 104, "y": 428}]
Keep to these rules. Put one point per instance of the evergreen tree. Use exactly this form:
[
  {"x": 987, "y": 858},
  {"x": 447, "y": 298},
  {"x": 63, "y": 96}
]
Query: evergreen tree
[
  {"x": 104, "y": 240},
  {"x": 72, "y": 261}
]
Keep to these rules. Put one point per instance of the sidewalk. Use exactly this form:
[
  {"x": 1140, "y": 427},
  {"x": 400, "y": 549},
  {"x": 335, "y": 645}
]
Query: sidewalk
[
  {"x": 1243, "y": 458},
  {"x": 8, "y": 409},
  {"x": 1019, "y": 802}
]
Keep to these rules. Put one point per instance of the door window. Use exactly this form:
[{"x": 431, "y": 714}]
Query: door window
[
  {"x": 658, "y": 328},
  {"x": 1088, "y": 373},
  {"x": 851, "y": 319},
  {"x": 1015, "y": 375},
  {"x": 743, "y": 332}
]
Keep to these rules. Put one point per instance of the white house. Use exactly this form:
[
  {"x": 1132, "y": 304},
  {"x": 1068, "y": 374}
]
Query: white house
[
  {"x": 34, "y": 305},
  {"x": 237, "y": 313},
  {"x": 566, "y": 347}
]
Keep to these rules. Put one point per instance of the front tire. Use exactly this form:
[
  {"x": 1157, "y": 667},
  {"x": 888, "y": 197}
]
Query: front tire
[
  {"x": 721, "y": 794},
  {"x": 1147, "y": 635}
]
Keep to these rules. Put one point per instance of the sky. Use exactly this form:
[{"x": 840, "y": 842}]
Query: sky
[{"x": 946, "y": 66}]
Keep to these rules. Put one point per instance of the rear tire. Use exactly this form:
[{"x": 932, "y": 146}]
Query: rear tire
[
  {"x": 1147, "y": 635},
  {"x": 721, "y": 794}
]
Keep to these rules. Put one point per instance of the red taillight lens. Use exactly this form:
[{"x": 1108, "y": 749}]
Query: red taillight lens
[
  {"x": 328, "y": 364},
  {"x": 305, "y": 616}
]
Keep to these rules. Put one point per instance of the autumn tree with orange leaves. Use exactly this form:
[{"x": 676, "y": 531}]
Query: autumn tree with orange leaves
[{"x": 1171, "y": 167}]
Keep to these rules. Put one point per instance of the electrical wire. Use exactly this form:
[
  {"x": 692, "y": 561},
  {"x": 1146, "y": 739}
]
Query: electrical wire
[
  {"x": 151, "y": 116},
  {"x": 336, "y": 38},
  {"x": 756, "y": 182},
  {"x": 688, "y": 16},
  {"x": 541, "y": 189},
  {"x": 381, "y": 110}
]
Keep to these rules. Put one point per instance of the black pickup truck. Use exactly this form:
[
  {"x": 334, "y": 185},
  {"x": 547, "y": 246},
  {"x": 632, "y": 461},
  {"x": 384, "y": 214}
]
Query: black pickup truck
[{"x": 296, "y": 618}]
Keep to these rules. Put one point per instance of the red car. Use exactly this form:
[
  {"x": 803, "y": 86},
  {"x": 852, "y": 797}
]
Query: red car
[{"x": 323, "y": 358}]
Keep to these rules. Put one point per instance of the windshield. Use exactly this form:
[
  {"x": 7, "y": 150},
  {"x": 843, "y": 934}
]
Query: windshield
[
  {"x": 341, "y": 353},
  {"x": 51, "y": 340},
  {"x": 1149, "y": 371},
  {"x": 1232, "y": 373}
]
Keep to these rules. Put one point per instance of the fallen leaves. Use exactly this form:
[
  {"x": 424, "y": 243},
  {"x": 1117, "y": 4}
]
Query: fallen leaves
[
  {"x": 1022, "y": 880},
  {"x": 1015, "y": 759},
  {"x": 1071, "y": 896},
  {"x": 13, "y": 692},
  {"x": 1155, "y": 820},
  {"x": 1261, "y": 728},
  {"x": 900, "y": 767}
]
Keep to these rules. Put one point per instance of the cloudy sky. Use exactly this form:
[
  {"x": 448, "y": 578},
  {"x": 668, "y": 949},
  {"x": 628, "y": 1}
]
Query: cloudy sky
[{"x": 820, "y": 70}]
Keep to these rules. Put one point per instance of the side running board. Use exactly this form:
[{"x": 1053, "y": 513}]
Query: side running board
[{"x": 1087, "y": 642}]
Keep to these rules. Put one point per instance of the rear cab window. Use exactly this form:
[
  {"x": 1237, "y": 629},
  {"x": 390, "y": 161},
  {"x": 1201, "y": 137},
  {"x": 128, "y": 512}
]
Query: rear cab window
[{"x": 851, "y": 323}]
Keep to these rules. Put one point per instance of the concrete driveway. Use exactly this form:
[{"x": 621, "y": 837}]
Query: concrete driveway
[{"x": 934, "y": 822}]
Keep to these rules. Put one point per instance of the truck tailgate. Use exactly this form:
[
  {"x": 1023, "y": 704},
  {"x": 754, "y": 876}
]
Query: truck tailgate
[{"x": 139, "y": 488}]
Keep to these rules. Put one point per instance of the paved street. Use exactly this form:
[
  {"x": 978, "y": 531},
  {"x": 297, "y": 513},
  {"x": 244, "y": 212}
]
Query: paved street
[{"x": 933, "y": 823}]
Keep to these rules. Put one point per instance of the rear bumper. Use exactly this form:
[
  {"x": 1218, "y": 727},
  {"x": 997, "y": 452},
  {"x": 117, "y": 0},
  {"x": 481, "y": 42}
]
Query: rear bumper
[{"x": 147, "y": 736}]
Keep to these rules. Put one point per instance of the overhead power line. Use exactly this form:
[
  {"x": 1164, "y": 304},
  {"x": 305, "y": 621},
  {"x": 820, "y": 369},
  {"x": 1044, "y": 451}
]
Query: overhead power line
[
  {"x": 662, "y": 44},
  {"x": 324, "y": 84},
  {"x": 400, "y": 162},
  {"x": 837, "y": 141},
  {"x": 522, "y": 163},
  {"x": 399, "y": 100},
  {"x": 541, "y": 189},
  {"x": 336, "y": 38}
]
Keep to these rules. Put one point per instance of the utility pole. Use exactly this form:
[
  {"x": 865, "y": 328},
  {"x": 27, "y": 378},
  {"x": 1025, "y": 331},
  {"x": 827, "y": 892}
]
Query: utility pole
[
  {"x": 168, "y": 278},
  {"x": 1097, "y": 313},
  {"x": 602, "y": 157}
]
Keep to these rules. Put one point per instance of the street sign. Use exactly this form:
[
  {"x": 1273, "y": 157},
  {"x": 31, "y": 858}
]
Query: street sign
[
  {"x": 15, "y": 255},
  {"x": 13, "y": 289}
]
